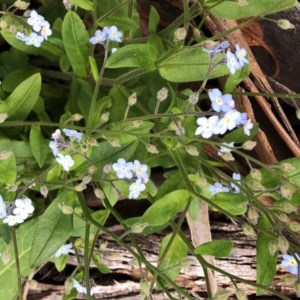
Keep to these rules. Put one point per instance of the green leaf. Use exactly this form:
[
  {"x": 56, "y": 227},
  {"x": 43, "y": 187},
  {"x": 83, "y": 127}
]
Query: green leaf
[
  {"x": 85, "y": 4},
  {"x": 39, "y": 146},
  {"x": 164, "y": 209},
  {"x": 8, "y": 170},
  {"x": 233, "y": 10},
  {"x": 94, "y": 68},
  {"x": 8, "y": 273},
  {"x": 14, "y": 78},
  {"x": 22, "y": 100},
  {"x": 266, "y": 263},
  {"x": 122, "y": 23},
  {"x": 136, "y": 55},
  {"x": 235, "y": 204},
  {"x": 53, "y": 229},
  {"x": 61, "y": 262},
  {"x": 219, "y": 248},
  {"x": 171, "y": 263},
  {"x": 76, "y": 39},
  {"x": 234, "y": 79},
  {"x": 190, "y": 64},
  {"x": 153, "y": 20}
]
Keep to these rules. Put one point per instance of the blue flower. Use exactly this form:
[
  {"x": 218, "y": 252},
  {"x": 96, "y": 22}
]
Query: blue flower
[
  {"x": 135, "y": 189},
  {"x": 213, "y": 51},
  {"x": 290, "y": 262},
  {"x": 237, "y": 178},
  {"x": 123, "y": 169},
  {"x": 207, "y": 126},
  {"x": 63, "y": 250},
  {"x": 66, "y": 161},
  {"x": 217, "y": 188},
  {"x": 34, "y": 39},
  {"x": 53, "y": 145},
  {"x": 36, "y": 21},
  {"x": 100, "y": 36},
  {"x": 240, "y": 54},
  {"x": 232, "y": 62},
  {"x": 220, "y": 102},
  {"x": 140, "y": 171},
  {"x": 3, "y": 213},
  {"x": 114, "y": 34},
  {"x": 74, "y": 135}
]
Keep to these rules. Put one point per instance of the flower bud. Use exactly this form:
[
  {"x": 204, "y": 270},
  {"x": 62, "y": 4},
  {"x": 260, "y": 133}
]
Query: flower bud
[
  {"x": 136, "y": 124},
  {"x": 44, "y": 191},
  {"x": 240, "y": 294},
  {"x": 256, "y": 174},
  {"x": 115, "y": 143},
  {"x": 92, "y": 142},
  {"x": 194, "y": 98},
  {"x": 104, "y": 117},
  {"x": 253, "y": 215},
  {"x": 227, "y": 156},
  {"x": 76, "y": 117},
  {"x": 285, "y": 24},
  {"x": 283, "y": 218},
  {"x": 5, "y": 256},
  {"x": 66, "y": 209},
  {"x": 179, "y": 130},
  {"x": 294, "y": 226},
  {"x": 22, "y": 5},
  {"x": 80, "y": 187},
  {"x": 249, "y": 145},
  {"x": 152, "y": 149},
  {"x": 99, "y": 194},
  {"x": 33, "y": 284},
  {"x": 68, "y": 286},
  {"x": 13, "y": 28},
  {"x": 92, "y": 169},
  {"x": 222, "y": 294},
  {"x": 132, "y": 99},
  {"x": 289, "y": 279},
  {"x": 107, "y": 168},
  {"x": 86, "y": 179},
  {"x": 283, "y": 244},
  {"x": 286, "y": 191},
  {"x": 192, "y": 150},
  {"x": 162, "y": 94},
  {"x": 248, "y": 230},
  {"x": 3, "y": 24},
  {"x": 180, "y": 34},
  {"x": 273, "y": 247},
  {"x": 288, "y": 208},
  {"x": 298, "y": 114}
]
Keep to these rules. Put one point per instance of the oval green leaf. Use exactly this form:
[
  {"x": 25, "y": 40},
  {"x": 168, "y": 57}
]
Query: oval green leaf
[{"x": 220, "y": 248}]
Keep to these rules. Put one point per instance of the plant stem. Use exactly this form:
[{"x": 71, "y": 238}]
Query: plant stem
[
  {"x": 19, "y": 278},
  {"x": 87, "y": 258}
]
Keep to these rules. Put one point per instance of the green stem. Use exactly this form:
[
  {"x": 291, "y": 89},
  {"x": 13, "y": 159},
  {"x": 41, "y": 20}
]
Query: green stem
[
  {"x": 87, "y": 259},
  {"x": 19, "y": 277}
]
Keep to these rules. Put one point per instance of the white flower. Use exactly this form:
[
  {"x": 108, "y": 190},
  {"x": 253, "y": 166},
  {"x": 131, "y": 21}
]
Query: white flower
[
  {"x": 220, "y": 102},
  {"x": 36, "y": 21},
  {"x": 232, "y": 62},
  {"x": 53, "y": 145},
  {"x": 63, "y": 250},
  {"x": 240, "y": 54},
  {"x": 140, "y": 170},
  {"x": 226, "y": 148},
  {"x": 34, "y": 39},
  {"x": 207, "y": 126},
  {"x": 56, "y": 135},
  {"x": 80, "y": 289},
  {"x": 114, "y": 34},
  {"x": 123, "y": 169},
  {"x": 3, "y": 213},
  {"x": 247, "y": 127},
  {"x": 12, "y": 220},
  {"x": 68, "y": 5},
  {"x": 229, "y": 121},
  {"x": 135, "y": 189},
  {"x": 46, "y": 31},
  {"x": 23, "y": 208},
  {"x": 65, "y": 161}
]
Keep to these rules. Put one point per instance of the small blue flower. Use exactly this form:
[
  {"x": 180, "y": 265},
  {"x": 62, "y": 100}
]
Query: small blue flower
[
  {"x": 207, "y": 126},
  {"x": 220, "y": 102},
  {"x": 53, "y": 145},
  {"x": 232, "y": 62},
  {"x": 216, "y": 49},
  {"x": 74, "y": 135},
  {"x": 66, "y": 161},
  {"x": 34, "y": 39},
  {"x": 114, "y": 34},
  {"x": 3, "y": 212},
  {"x": 123, "y": 169},
  {"x": 241, "y": 54},
  {"x": 217, "y": 188},
  {"x": 290, "y": 262},
  {"x": 136, "y": 188},
  {"x": 80, "y": 289},
  {"x": 100, "y": 36},
  {"x": 140, "y": 171},
  {"x": 63, "y": 250},
  {"x": 36, "y": 21}
]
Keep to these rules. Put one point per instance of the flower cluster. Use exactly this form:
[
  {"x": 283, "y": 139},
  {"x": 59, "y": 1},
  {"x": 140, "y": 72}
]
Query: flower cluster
[
  {"x": 59, "y": 143},
  {"x": 217, "y": 187},
  {"x": 129, "y": 170},
  {"x": 291, "y": 263},
  {"x": 226, "y": 118},
  {"x": 106, "y": 34},
  {"x": 21, "y": 210},
  {"x": 41, "y": 30}
]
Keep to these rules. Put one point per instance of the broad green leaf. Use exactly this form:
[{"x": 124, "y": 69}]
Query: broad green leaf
[
  {"x": 14, "y": 78},
  {"x": 61, "y": 262},
  {"x": 8, "y": 273},
  {"x": 228, "y": 9},
  {"x": 135, "y": 55},
  {"x": 38, "y": 144},
  {"x": 234, "y": 79},
  {"x": 54, "y": 228},
  {"x": 85, "y": 4},
  {"x": 190, "y": 64},
  {"x": 20, "y": 149},
  {"x": 76, "y": 39},
  {"x": 8, "y": 170},
  {"x": 235, "y": 204},
  {"x": 22, "y": 100},
  {"x": 266, "y": 263},
  {"x": 219, "y": 248},
  {"x": 164, "y": 209},
  {"x": 153, "y": 20},
  {"x": 171, "y": 263}
]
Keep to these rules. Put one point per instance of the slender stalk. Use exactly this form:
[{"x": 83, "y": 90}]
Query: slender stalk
[
  {"x": 19, "y": 277},
  {"x": 87, "y": 259}
]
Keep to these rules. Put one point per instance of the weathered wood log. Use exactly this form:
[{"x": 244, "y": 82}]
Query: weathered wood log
[{"x": 123, "y": 281}]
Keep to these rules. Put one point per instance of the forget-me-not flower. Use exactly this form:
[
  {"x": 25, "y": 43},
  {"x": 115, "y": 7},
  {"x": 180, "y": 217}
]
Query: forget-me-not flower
[
  {"x": 23, "y": 208},
  {"x": 136, "y": 188},
  {"x": 34, "y": 39},
  {"x": 217, "y": 188},
  {"x": 66, "y": 161},
  {"x": 80, "y": 289},
  {"x": 100, "y": 36},
  {"x": 229, "y": 121},
  {"x": 207, "y": 126},
  {"x": 63, "y": 250},
  {"x": 3, "y": 212},
  {"x": 237, "y": 178},
  {"x": 140, "y": 171},
  {"x": 12, "y": 220},
  {"x": 241, "y": 54},
  {"x": 36, "y": 21},
  {"x": 290, "y": 262},
  {"x": 74, "y": 135},
  {"x": 114, "y": 34},
  {"x": 123, "y": 169},
  {"x": 220, "y": 102},
  {"x": 232, "y": 62}
]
